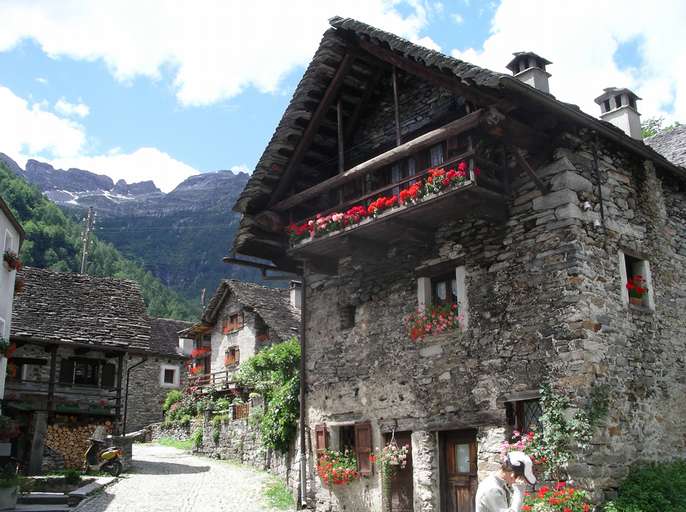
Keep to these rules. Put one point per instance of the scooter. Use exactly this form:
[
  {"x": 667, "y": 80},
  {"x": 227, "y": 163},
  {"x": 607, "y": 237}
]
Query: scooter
[{"x": 99, "y": 458}]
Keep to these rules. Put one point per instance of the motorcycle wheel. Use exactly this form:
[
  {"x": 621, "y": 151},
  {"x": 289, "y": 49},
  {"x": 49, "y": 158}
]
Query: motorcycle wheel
[{"x": 114, "y": 468}]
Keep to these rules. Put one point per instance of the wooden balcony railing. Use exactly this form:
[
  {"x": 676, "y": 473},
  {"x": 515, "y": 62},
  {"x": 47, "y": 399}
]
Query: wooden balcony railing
[{"x": 222, "y": 379}]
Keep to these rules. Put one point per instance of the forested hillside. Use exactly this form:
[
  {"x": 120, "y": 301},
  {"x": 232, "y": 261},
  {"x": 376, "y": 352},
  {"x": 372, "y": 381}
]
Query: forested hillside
[{"x": 53, "y": 241}]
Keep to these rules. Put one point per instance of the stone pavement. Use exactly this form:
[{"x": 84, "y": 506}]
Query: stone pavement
[{"x": 169, "y": 480}]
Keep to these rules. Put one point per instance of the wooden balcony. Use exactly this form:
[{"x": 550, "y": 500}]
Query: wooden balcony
[{"x": 220, "y": 380}]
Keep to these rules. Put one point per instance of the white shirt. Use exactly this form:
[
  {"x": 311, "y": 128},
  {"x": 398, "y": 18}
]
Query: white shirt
[{"x": 492, "y": 496}]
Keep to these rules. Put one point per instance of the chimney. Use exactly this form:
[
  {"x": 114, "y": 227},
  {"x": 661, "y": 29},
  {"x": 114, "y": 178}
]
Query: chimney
[
  {"x": 530, "y": 69},
  {"x": 618, "y": 106},
  {"x": 295, "y": 288}
]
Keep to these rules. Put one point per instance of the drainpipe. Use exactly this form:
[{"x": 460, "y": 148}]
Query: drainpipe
[
  {"x": 303, "y": 354},
  {"x": 126, "y": 395}
]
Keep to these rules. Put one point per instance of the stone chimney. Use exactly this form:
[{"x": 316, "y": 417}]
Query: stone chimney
[
  {"x": 618, "y": 106},
  {"x": 530, "y": 69},
  {"x": 295, "y": 288}
]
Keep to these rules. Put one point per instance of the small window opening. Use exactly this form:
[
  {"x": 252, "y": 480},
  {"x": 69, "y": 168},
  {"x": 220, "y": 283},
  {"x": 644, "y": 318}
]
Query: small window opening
[
  {"x": 444, "y": 289},
  {"x": 86, "y": 372},
  {"x": 606, "y": 105},
  {"x": 618, "y": 100},
  {"x": 232, "y": 356},
  {"x": 436, "y": 155},
  {"x": 169, "y": 376},
  {"x": 632, "y": 102},
  {"x": 524, "y": 415},
  {"x": 346, "y": 437},
  {"x": 347, "y": 313},
  {"x": 637, "y": 282}
]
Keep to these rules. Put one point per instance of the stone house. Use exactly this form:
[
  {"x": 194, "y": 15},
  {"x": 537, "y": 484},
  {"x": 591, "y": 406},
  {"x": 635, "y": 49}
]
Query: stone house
[
  {"x": 12, "y": 237},
  {"x": 75, "y": 336},
  {"x": 239, "y": 320},
  {"x": 151, "y": 379},
  {"x": 549, "y": 214}
]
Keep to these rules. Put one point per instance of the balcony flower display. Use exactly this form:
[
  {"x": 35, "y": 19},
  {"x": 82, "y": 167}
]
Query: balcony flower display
[
  {"x": 198, "y": 353},
  {"x": 637, "y": 288},
  {"x": 435, "y": 319},
  {"x": 197, "y": 370},
  {"x": 437, "y": 180},
  {"x": 337, "y": 468},
  {"x": 12, "y": 260},
  {"x": 562, "y": 497}
]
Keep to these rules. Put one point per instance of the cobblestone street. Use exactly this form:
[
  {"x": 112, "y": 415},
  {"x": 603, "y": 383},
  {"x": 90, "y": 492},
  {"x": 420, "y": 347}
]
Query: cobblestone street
[{"x": 169, "y": 480}]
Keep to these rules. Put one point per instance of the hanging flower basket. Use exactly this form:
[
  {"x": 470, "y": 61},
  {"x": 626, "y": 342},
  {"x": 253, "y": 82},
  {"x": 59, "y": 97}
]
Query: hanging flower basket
[
  {"x": 391, "y": 455},
  {"x": 12, "y": 260}
]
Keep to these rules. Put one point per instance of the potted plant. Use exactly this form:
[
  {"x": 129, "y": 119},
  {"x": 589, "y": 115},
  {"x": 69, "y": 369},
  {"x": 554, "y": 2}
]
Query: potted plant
[
  {"x": 390, "y": 459},
  {"x": 563, "y": 497},
  {"x": 337, "y": 468},
  {"x": 12, "y": 260},
  {"x": 636, "y": 286},
  {"x": 9, "y": 487},
  {"x": 435, "y": 319}
]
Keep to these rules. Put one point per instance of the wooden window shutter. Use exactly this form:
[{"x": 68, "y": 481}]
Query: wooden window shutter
[
  {"x": 108, "y": 374},
  {"x": 66, "y": 371},
  {"x": 320, "y": 439},
  {"x": 363, "y": 447}
]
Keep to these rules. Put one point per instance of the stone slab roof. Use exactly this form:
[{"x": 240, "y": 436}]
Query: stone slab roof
[
  {"x": 671, "y": 144},
  {"x": 272, "y": 304},
  {"x": 317, "y": 76},
  {"x": 64, "y": 307},
  {"x": 164, "y": 336}
]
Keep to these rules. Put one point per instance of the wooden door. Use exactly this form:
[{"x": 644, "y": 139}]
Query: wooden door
[
  {"x": 459, "y": 477},
  {"x": 402, "y": 496}
]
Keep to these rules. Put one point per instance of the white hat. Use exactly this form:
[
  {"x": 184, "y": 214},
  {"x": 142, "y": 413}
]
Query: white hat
[{"x": 518, "y": 459}]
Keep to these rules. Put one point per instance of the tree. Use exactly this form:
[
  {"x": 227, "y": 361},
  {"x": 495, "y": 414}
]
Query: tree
[{"x": 654, "y": 125}]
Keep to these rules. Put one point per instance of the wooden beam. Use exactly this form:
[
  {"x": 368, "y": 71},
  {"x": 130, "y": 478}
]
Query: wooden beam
[
  {"x": 530, "y": 171},
  {"x": 352, "y": 122},
  {"x": 339, "y": 123},
  {"x": 52, "y": 379},
  {"x": 452, "y": 83},
  {"x": 312, "y": 126},
  {"x": 404, "y": 150},
  {"x": 395, "y": 106}
]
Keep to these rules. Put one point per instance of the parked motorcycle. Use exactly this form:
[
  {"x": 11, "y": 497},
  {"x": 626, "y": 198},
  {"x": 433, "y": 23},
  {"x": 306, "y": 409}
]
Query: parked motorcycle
[{"x": 101, "y": 458}]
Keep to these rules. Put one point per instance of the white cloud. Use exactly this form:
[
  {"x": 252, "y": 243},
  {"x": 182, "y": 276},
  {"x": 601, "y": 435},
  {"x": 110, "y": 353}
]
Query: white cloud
[
  {"x": 42, "y": 80},
  {"x": 37, "y": 133},
  {"x": 215, "y": 48},
  {"x": 79, "y": 109},
  {"x": 140, "y": 165},
  {"x": 241, "y": 168},
  {"x": 581, "y": 38},
  {"x": 457, "y": 18}
]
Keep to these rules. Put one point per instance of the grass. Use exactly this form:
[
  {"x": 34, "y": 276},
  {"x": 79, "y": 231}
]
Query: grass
[
  {"x": 187, "y": 444},
  {"x": 278, "y": 496}
]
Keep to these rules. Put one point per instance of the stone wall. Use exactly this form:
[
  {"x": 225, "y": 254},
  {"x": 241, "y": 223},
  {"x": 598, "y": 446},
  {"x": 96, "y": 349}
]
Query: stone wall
[
  {"x": 545, "y": 305},
  {"x": 147, "y": 390}
]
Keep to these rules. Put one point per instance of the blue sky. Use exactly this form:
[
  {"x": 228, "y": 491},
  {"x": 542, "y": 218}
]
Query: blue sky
[{"x": 200, "y": 89}]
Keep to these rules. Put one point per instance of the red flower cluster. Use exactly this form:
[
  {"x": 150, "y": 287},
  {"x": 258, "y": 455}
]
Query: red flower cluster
[
  {"x": 197, "y": 353},
  {"x": 438, "y": 180},
  {"x": 196, "y": 370},
  {"x": 434, "y": 320},
  {"x": 561, "y": 498},
  {"x": 12, "y": 260},
  {"x": 636, "y": 286},
  {"x": 336, "y": 468}
]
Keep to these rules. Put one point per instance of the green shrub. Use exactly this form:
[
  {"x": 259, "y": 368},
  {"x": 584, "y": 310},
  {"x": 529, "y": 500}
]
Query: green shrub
[
  {"x": 222, "y": 404},
  {"x": 196, "y": 437},
  {"x": 652, "y": 488},
  {"x": 72, "y": 476},
  {"x": 185, "y": 420},
  {"x": 172, "y": 397},
  {"x": 215, "y": 435}
]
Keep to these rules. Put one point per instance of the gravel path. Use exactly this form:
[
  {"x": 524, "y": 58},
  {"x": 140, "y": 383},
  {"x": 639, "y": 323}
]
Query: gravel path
[{"x": 169, "y": 480}]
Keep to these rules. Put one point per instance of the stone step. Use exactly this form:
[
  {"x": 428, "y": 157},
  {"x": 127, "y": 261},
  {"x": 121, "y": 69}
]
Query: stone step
[
  {"x": 41, "y": 508},
  {"x": 43, "y": 498}
]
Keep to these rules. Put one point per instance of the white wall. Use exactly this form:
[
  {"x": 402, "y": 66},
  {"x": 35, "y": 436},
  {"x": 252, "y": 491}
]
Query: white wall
[
  {"x": 9, "y": 240},
  {"x": 244, "y": 339}
]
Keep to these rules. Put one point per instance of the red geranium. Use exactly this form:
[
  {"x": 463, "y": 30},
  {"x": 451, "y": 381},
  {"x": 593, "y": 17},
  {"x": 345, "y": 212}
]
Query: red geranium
[{"x": 562, "y": 498}]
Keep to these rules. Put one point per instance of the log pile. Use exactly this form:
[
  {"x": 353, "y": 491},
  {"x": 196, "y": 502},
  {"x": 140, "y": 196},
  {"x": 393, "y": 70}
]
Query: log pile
[{"x": 71, "y": 441}]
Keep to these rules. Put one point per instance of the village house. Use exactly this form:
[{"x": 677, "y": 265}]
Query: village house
[
  {"x": 409, "y": 180},
  {"x": 12, "y": 237},
  {"x": 75, "y": 340},
  {"x": 239, "y": 320}
]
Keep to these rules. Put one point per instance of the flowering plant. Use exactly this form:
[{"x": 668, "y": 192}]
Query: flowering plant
[
  {"x": 527, "y": 443},
  {"x": 563, "y": 497},
  {"x": 196, "y": 370},
  {"x": 432, "y": 320},
  {"x": 636, "y": 286},
  {"x": 197, "y": 353},
  {"x": 336, "y": 468},
  {"x": 12, "y": 260},
  {"x": 438, "y": 179},
  {"x": 390, "y": 456}
]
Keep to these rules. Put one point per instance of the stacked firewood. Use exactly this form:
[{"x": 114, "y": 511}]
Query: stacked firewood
[{"x": 71, "y": 441}]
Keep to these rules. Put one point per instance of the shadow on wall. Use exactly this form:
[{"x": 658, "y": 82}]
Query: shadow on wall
[{"x": 167, "y": 468}]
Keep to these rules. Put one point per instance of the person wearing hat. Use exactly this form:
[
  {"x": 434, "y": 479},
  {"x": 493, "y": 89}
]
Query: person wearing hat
[{"x": 493, "y": 494}]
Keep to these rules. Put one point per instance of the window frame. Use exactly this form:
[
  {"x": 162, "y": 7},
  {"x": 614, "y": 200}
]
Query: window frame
[
  {"x": 235, "y": 352},
  {"x": 425, "y": 288},
  {"x": 177, "y": 376},
  {"x": 233, "y": 323},
  {"x": 641, "y": 265},
  {"x": 330, "y": 435},
  {"x": 94, "y": 365}
]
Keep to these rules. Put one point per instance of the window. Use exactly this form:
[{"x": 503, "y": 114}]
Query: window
[
  {"x": 618, "y": 100},
  {"x": 233, "y": 323},
  {"x": 444, "y": 289},
  {"x": 524, "y": 415},
  {"x": 632, "y": 101},
  {"x": 86, "y": 372},
  {"x": 438, "y": 286},
  {"x": 27, "y": 369},
  {"x": 354, "y": 437},
  {"x": 436, "y": 155},
  {"x": 169, "y": 376},
  {"x": 606, "y": 104},
  {"x": 261, "y": 330},
  {"x": 2, "y": 328},
  {"x": 233, "y": 356},
  {"x": 347, "y": 316},
  {"x": 9, "y": 241},
  {"x": 636, "y": 281}
]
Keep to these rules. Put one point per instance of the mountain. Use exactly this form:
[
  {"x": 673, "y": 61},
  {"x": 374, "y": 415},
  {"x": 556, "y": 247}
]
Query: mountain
[
  {"x": 53, "y": 240},
  {"x": 180, "y": 236}
]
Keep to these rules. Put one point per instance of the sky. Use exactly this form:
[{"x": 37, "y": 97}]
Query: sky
[{"x": 162, "y": 90}]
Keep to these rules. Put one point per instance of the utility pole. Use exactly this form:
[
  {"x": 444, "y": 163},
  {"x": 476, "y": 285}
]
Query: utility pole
[{"x": 89, "y": 224}]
